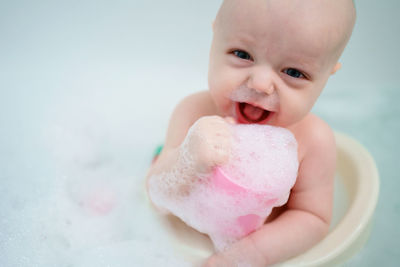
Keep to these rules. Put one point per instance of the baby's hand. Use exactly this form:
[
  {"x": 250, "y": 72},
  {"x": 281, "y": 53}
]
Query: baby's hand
[{"x": 208, "y": 142}]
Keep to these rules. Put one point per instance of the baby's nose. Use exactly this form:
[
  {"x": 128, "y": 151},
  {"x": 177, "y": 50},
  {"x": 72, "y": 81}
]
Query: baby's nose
[{"x": 262, "y": 80}]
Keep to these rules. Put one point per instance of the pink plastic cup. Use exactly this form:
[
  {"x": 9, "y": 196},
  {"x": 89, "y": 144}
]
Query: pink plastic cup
[{"x": 222, "y": 183}]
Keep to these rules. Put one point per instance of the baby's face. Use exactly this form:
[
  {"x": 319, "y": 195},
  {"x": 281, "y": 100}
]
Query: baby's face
[{"x": 269, "y": 60}]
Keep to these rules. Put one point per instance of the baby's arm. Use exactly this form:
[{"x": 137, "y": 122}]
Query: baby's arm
[
  {"x": 306, "y": 218},
  {"x": 181, "y": 119},
  {"x": 187, "y": 153}
]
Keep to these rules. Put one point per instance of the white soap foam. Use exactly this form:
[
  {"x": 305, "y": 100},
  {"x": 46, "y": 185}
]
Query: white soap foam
[
  {"x": 263, "y": 160},
  {"x": 90, "y": 209},
  {"x": 249, "y": 95},
  {"x": 275, "y": 147}
]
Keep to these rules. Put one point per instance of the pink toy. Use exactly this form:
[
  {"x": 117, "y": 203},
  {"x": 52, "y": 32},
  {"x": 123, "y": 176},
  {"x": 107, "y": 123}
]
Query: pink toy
[
  {"x": 236, "y": 198},
  {"x": 242, "y": 193},
  {"x": 250, "y": 222}
]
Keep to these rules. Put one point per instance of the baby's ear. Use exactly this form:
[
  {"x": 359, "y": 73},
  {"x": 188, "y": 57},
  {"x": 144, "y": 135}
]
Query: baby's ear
[{"x": 336, "y": 67}]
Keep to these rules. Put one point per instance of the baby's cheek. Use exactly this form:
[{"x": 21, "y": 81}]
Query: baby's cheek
[
  {"x": 289, "y": 115},
  {"x": 222, "y": 101}
]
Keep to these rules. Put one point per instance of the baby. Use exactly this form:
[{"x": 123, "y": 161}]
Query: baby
[{"x": 269, "y": 61}]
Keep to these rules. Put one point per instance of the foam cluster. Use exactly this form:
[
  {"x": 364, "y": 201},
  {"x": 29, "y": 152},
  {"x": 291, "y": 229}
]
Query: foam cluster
[{"x": 236, "y": 198}]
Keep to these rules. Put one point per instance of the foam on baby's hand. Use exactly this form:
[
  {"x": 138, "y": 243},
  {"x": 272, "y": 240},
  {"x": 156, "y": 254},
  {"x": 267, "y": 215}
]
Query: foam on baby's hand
[{"x": 236, "y": 198}]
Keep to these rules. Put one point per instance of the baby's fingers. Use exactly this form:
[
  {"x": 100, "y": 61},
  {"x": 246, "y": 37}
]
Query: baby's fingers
[
  {"x": 230, "y": 120},
  {"x": 221, "y": 152}
]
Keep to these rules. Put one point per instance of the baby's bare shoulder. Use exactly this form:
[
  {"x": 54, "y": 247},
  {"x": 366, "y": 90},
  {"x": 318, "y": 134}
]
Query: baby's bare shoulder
[
  {"x": 186, "y": 112},
  {"x": 195, "y": 105},
  {"x": 317, "y": 152},
  {"x": 317, "y": 168},
  {"x": 314, "y": 136},
  {"x": 201, "y": 99}
]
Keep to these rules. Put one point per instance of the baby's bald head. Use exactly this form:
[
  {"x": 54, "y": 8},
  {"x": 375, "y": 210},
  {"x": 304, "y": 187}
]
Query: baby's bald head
[
  {"x": 284, "y": 50},
  {"x": 335, "y": 18}
]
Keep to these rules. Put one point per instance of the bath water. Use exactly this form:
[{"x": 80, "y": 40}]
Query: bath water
[{"x": 73, "y": 195}]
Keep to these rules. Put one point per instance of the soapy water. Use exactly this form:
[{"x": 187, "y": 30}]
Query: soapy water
[
  {"x": 83, "y": 204},
  {"x": 85, "y": 207},
  {"x": 89, "y": 210}
]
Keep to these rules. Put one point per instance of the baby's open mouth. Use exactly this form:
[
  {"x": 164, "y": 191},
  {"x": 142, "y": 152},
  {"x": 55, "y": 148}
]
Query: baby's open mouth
[{"x": 248, "y": 113}]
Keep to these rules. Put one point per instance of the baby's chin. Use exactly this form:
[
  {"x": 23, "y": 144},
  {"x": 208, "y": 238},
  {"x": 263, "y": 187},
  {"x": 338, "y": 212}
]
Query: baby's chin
[{"x": 249, "y": 114}]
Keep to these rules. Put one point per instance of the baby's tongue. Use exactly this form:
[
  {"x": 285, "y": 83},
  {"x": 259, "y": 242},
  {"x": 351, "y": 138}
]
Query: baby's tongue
[{"x": 251, "y": 112}]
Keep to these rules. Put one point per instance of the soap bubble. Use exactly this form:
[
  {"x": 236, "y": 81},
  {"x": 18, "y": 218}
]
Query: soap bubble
[{"x": 236, "y": 198}]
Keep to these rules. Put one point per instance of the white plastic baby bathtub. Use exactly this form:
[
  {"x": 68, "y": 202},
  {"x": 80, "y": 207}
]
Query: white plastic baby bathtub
[{"x": 357, "y": 189}]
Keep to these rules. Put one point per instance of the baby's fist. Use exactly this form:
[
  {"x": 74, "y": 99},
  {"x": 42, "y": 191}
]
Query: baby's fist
[{"x": 208, "y": 142}]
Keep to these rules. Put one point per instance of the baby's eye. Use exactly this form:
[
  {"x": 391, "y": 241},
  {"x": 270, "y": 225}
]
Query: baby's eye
[
  {"x": 242, "y": 54},
  {"x": 294, "y": 73}
]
